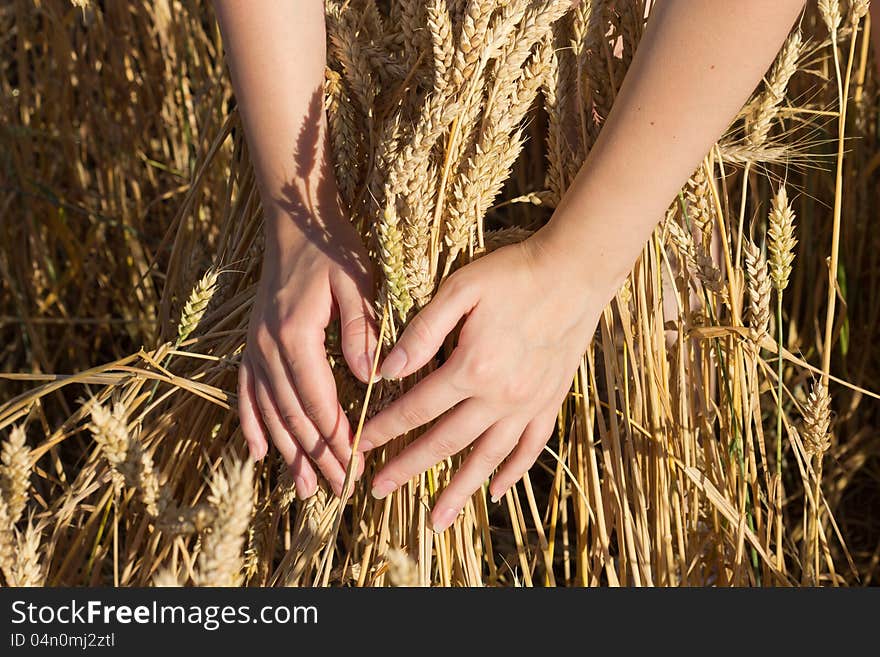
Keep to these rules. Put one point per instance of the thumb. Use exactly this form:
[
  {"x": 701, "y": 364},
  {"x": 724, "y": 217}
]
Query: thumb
[
  {"x": 426, "y": 332},
  {"x": 357, "y": 326}
]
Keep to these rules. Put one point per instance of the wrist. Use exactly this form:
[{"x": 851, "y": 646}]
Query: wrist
[
  {"x": 582, "y": 260},
  {"x": 303, "y": 211}
]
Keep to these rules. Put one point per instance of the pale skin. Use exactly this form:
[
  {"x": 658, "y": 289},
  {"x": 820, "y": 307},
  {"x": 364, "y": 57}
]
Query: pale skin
[{"x": 529, "y": 310}]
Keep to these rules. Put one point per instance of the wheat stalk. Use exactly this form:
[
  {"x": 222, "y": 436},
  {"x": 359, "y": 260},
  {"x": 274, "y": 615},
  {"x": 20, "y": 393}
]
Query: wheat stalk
[{"x": 780, "y": 245}]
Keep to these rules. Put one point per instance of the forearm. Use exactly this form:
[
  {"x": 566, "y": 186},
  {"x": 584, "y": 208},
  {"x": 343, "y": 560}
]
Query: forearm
[
  {"x": 694, "y": 69},
  {"x": 276, "y": 54}
]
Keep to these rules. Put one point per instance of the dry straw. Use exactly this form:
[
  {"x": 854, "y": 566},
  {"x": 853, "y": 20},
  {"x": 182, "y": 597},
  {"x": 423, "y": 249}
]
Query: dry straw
[{"x": 455, "y": 128}]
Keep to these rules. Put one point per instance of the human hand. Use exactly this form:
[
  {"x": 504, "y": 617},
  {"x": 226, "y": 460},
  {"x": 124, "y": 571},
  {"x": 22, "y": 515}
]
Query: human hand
[
  {"x": 287, "y": 393},
  {"x": 529, "y": 319}
]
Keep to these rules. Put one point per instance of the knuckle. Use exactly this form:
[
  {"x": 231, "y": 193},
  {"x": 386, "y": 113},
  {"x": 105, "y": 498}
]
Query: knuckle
[
  {"x": 478, "y": 368},
  {"x": 263, "y": 339},
  {"x": 355, "y": 325},
  {"x": 489, "y": 457},
  {"x": 294, "y": 422},
  {"x": 412, "y": 415},
  {"x": 441, "y": 447},
  {"x": 455, "y": 284},
  {"x": 266, "y": 410},
  {"x": 263, "y": 404},
  {"x": 312, "y": 408}
]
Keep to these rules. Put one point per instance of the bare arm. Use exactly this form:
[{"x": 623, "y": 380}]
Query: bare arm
[
  {"x": 531, "y": 309},
  {"x": 315, "y": 265},
  {"x": 276, "y": 54},
  {"x": 694, "y": 69}
]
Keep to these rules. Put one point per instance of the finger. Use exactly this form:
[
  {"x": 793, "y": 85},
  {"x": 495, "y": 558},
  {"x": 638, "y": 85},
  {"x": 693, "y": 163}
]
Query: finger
[
  {"x": 288, "y": 399},
  {"x": 527, "y": 451},
  {"x": 303, "y": 473},
  {"x": 488, "y": 452},
  {"x": 425, "y": 334},
  {"x": 304, "y": 433},
  {"x": 249, "y": 413},
  {"x": 426, "y": 401},
  {"x": 306, "y": 361},
  {"x": 357, "y": 326},
  {"x": 449, "y": 436}
]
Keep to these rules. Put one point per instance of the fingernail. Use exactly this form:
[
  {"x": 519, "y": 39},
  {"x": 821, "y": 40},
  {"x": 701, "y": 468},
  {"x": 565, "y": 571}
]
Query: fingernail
[
  {"x": 382, "y": 488},
  {"x": 394, "y": 363},
  {"x": 440, "y": 520}
]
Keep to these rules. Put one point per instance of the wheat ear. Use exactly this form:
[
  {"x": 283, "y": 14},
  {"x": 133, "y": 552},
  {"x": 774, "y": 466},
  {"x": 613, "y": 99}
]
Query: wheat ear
[
  {"x": 28, "y": 569},
  {"x": 220, "y": 562},
  {"x": 197, "y": 304},
  {"x": 759, "y": 292},
  {"x": 15, "y": 472}
]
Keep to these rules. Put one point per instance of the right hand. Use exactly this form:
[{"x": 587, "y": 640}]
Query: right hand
[{"x": 287, "y": 393}]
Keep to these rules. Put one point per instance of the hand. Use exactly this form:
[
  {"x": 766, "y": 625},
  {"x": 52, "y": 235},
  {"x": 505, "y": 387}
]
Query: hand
[
  {"x": 286, "y": 388},
  {"x": 529, "y": 319}
]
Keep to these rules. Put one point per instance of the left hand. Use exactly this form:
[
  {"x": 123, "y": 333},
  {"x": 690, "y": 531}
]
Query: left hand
[{"x": 530, "y": 316}]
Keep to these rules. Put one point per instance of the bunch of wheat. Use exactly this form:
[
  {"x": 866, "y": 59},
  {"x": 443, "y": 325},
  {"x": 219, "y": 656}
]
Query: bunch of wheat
[{"x": 693, "y": 448}]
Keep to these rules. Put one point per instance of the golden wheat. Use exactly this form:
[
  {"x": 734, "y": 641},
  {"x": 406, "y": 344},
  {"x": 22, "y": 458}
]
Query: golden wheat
[{"x": 455, "y": 128}]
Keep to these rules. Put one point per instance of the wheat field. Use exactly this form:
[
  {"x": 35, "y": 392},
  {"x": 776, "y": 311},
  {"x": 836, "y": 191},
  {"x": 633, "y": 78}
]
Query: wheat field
[{"x": 719, "y": 431}]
